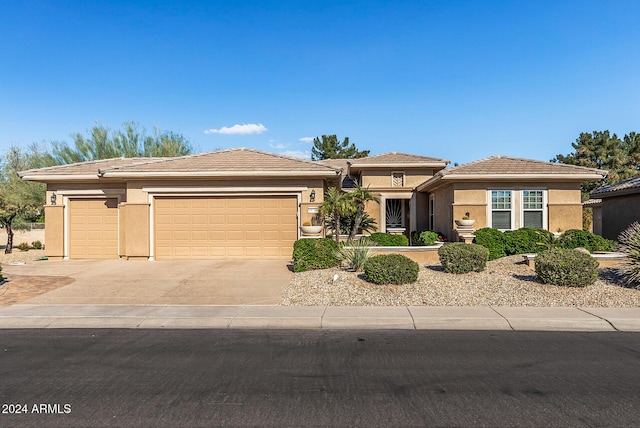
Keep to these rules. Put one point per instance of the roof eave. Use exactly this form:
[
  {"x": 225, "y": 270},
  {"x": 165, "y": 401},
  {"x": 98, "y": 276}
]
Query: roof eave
[
  {"x": 161, "y": 174},
  {"x": 356, "y": 166},
  {"x": 44, "y": 178},
  {"x": 613, "y": 193}
]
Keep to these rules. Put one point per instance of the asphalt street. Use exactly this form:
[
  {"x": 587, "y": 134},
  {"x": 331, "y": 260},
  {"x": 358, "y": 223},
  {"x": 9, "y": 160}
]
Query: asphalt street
[{"x": 280, "y": 378}]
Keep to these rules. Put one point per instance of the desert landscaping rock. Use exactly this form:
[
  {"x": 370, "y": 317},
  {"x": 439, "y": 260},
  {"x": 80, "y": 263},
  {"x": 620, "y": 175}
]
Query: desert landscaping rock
[{"x": 505, "y": 282}]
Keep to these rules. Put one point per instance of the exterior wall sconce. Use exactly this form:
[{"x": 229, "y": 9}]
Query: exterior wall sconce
[
  {"x": 53, "y": 199},
  {"x": 312, "y": 196}
]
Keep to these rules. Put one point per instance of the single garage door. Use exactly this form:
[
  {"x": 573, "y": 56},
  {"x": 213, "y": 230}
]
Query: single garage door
[
  {"x": 225, "y": 227},
  {"x": 93, "y": 228}
]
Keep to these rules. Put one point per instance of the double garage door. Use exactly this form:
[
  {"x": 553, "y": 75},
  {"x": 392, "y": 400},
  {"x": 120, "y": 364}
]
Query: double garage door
[
  {"x": 192, "y": 227},
  {"x": 225, "y": 227}
]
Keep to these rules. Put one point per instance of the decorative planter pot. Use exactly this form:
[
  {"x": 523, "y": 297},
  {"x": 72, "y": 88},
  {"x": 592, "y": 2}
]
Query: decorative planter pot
[
  {"x": 465, "y": 223},
  {"x": 311, "y": 230}
]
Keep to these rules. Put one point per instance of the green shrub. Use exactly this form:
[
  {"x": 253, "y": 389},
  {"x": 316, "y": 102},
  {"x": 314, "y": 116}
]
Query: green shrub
[
  {"x": 562, "y": 266},
  {"x": 314, "y": 254},
  {"x": 630, "y": 245},
  {"x": 575, "y": 238},
  {"x": 23, "y": 246},
  {"x": 36, "y": 245},
  {"x": 389, "y": 240},
  {"x": 459, "y": 257},
  {"x": 425, "y": 237},
  {"x": 1, "y": 277},
  {"x": 493, "y": 240},
  {"x": 356, "y": 252},
  {"x": 391, "y": 269},
  {"x": 527, "y": 240}
]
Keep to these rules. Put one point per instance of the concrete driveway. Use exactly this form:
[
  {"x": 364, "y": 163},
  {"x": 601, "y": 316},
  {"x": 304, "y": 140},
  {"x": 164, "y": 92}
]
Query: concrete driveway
[{"x": 194, "y": 282}]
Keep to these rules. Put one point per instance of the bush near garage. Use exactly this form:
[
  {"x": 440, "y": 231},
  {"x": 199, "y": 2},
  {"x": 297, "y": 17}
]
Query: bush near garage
[
  {"x": 527, "y": 240},
  {"x": 568, "y": 267},
  {"x": 389, "y": 240},
  {"x": 391, "y": 269},
  {"x": 493, "y": 240},
  {"x": 314, "y": 254},
  {"x": 463, "y": 258},
  {"x": 36, "y": 245},
  {"x": 575, "y": 238}
]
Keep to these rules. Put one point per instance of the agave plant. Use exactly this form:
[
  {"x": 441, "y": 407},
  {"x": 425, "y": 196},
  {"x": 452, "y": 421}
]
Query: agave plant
[
  {"x": 356, "y": 252},
  {"x": 630, "y": 244}
]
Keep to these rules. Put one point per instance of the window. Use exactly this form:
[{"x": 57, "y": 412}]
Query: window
[
  {"x": 513, "y": 209},
  {"x": 397, "y": 179},
  {"x": 501, "y": 209},
  {"x": 532, "y": 208},
  {"x": 432, "y": 218}
]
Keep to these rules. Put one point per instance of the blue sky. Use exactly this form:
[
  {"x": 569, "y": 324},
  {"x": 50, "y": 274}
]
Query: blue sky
[{"x": 459, "y": 80}]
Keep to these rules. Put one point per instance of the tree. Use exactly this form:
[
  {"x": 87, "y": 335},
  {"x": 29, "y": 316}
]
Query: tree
[
  {"x": 131, "y": 141},
  {"x": 331, "y": 148},
  {"x": 602, "y": 150},
  {"x": 20, "y": 201},
  {"x": 335, "y": 205},
  {"x": 359, "y": 197}
]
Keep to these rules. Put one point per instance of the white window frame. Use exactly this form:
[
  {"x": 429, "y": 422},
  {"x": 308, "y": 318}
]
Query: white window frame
[
  {"x": 544, "y": 208},
  {"x": 517, "y": 206},
  {"x": 490, "y": 207}
]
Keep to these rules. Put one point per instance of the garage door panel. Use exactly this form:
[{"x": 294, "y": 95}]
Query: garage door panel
[
  {"x": 225, "y": 227},
  {"x": 93, "y": 228}
]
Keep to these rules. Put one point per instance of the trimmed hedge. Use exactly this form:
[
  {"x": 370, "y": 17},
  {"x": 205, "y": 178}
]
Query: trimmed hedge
[
  {"x": 562, "y": 266},
  {"x": 493, "y": 240},
  {"x": 314, "y": 254},
  {"x": 574, "y": 238},
  {"x": 463, "y": 258},
  {"x": 389, "y": 240},
  {"x": 391, "y": 269},
  {"x": 527, "y": 240}
]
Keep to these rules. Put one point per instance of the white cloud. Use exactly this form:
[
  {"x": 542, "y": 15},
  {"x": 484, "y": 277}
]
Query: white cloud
[
  {"x": 298, "y": 154},
  {"x": 306, "y": 139},
  {"x": 278, "y": 146},
  {"x": 247, "y": 128}
]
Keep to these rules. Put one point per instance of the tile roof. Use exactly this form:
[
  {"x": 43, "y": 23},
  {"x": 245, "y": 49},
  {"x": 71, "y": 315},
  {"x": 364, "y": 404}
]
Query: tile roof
[
  {"x": 512, "y": 165},
  {"x": 236, "y": 160},
  {"x": 630, "y": 185},
  {"x": 396, "y": 158},
  {"x": 334, "y": 163},
  {"x": 87, "y": 168},
  {"x": 511, "y": 168}
]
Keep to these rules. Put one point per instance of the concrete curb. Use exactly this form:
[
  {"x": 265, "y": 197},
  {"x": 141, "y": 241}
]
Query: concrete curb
[{"x": 321, "y": 317}]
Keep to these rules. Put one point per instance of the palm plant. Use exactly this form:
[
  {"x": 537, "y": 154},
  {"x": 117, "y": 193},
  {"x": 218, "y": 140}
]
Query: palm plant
[
  {"x": 335, "y": 205},
  {"x": 359, "y": 196}
]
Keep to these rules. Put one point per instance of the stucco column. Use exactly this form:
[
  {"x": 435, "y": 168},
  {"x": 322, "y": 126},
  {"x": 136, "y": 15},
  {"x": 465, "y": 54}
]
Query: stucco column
[
  {"x": 54, "y": 231},
  {"x": 136, "y": 229}
]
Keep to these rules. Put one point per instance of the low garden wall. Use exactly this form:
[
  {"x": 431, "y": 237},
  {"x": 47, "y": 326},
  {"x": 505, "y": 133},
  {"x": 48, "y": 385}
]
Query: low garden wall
[{"x": 428, "y": 255}]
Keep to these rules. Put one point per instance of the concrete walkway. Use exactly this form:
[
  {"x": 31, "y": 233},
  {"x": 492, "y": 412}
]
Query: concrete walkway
[{"x": 319, "y": 317}]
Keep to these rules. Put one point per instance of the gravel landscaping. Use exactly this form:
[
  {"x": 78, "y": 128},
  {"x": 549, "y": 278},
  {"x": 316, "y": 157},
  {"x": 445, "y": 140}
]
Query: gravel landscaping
[{"x": 505, "y": 282}]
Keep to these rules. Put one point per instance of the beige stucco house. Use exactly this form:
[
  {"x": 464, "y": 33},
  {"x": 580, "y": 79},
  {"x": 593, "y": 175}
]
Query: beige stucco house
[
  {"x": 615, "y": 207},
  {"x": 245, "y": 203},
  {"x": 508, "y": 193}
]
